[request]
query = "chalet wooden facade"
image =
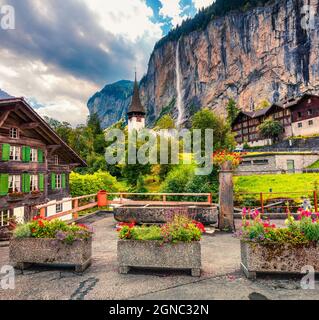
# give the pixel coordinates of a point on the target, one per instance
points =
(35, 163)
(299, 117)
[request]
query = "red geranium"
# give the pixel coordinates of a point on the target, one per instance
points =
(200, 226)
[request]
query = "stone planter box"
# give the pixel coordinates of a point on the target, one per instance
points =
(284, 259)
(27, 251)
(152, 254)
(158, 214)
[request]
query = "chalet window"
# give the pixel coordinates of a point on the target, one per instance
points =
(299, 114)
(310, 122)
(14, 183)
(300, 125)
(34, 182)
(56, 159)
(4, 217)
(260, 162)
(58, 181)
(34, 155)
(14, 133)
(15, 153)
(310, 112)
(59, 208)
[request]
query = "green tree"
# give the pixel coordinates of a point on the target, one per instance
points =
(206, 119)
(271, 129)
(232, 111)
(166, 122)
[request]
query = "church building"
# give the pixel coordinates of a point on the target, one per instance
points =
(136, 113)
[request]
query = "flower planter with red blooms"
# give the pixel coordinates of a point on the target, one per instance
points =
(51, 242)
(221, 157)
(265, 248)
(175, 245)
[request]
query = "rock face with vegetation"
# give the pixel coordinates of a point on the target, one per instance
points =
(247, 50)
(111, 104)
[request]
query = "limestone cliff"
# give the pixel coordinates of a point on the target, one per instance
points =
(264, 53)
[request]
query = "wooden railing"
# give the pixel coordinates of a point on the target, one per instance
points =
(123, 198)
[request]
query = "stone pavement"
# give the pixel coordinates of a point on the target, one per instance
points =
(221, 278)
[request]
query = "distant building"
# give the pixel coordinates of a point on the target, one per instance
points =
(277, 162)
(136, 113)
(299, 117)
(35, 163)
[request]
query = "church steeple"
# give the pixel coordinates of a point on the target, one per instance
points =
(136, 112)
(136, 106)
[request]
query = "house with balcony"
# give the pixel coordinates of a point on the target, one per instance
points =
(298, 116)
(35, 163)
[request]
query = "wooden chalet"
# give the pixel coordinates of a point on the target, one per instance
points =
(35, 163)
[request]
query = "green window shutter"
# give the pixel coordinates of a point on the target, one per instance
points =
(53, 181)
(6, 152)
(63, 180)
(26, 183)
(41, 182)
(4, 184)
(40, 156)
(26, 153)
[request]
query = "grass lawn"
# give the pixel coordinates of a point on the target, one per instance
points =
(279, 183)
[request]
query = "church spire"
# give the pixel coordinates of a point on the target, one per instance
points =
(136, 106)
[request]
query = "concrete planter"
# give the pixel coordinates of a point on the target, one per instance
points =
(27, 251)
(152, 254)
(152, 214)
(280, 258)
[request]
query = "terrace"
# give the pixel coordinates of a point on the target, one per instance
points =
(221, 277)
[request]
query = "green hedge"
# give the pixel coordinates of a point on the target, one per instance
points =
(85, 184)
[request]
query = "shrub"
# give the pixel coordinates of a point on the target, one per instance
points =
(55, 229)
(81, 185)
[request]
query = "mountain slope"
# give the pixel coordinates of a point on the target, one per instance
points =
(111, 104)
(4, 95)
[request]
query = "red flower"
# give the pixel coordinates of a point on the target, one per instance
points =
(41, 224)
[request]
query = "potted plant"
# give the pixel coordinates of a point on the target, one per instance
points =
(51, 242)
(175, 245)
(35, 193)
(265, 248)
(16, 196)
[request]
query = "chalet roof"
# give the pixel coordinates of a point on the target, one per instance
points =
(286, 103)
(136, 105)
(24, 106)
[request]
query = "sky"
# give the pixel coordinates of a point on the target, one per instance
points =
(63, 51)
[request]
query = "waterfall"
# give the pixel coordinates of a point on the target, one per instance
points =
(179, 86)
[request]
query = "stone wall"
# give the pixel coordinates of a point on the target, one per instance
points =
(277, 163)
(206, 215)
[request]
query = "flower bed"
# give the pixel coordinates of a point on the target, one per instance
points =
(265, 248)
(175, 245)
(51, 242)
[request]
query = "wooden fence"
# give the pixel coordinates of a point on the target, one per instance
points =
(124, 198)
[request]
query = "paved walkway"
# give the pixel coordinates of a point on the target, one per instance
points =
(221, 278)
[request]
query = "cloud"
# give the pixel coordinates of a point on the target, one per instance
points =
(64, 51)
(199, 4)
(172, 9)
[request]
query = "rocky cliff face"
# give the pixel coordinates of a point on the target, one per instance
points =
(111, 104)
(262, 54)
(4, 95)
